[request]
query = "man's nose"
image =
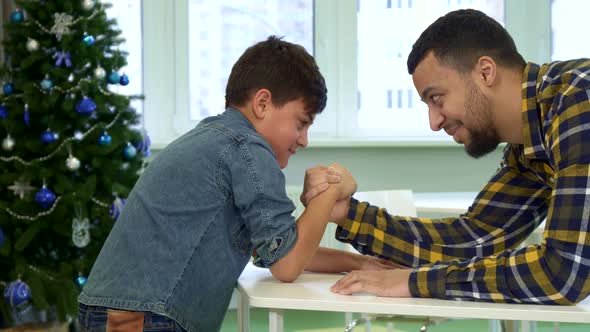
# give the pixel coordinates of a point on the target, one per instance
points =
(436, 119)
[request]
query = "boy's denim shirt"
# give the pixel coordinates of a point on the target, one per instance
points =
(190, 224)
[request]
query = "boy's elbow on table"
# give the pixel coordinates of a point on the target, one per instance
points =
(284, 272)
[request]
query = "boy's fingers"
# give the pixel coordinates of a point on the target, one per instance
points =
(313, 192)
(317, 169)
(334, 178)
(309, 195)
(315, 176)
(332, 170)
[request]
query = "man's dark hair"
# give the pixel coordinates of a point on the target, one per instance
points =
(461, 37)
(285, 69)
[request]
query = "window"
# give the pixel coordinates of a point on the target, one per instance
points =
(568, 23)
(224, 31)
(387, 101)
(361, 47)
(128, 16)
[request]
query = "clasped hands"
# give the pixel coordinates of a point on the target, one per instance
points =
(377, 276)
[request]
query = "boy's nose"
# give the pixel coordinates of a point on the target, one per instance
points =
(302, 141)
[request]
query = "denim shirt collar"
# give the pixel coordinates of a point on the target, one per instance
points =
(236, 115)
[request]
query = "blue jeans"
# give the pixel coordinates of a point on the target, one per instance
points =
(94, 319)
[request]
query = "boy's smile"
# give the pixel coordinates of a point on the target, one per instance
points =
(285, 129)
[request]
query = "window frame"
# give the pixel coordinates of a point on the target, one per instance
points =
(166, 63)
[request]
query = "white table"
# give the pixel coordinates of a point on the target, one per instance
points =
(444, 202)
(311, 291)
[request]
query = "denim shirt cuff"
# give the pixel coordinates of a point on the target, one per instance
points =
(271, 251)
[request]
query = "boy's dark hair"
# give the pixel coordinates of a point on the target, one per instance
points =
(461, 37)
(285, 69)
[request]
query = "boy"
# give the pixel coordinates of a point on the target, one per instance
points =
(213, 196)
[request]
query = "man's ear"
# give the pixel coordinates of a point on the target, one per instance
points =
(486, 70)
(261, 102)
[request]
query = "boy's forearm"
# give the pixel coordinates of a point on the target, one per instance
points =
(328, 260)
(310, 229)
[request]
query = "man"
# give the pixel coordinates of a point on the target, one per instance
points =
(479, 89)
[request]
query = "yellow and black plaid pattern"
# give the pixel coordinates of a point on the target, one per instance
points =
(473, 257)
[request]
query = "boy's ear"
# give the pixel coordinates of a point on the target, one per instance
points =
(261, 102)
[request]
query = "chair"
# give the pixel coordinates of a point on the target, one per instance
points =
(398, 202)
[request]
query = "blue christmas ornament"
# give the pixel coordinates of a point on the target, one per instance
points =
(63, 58)
(46, 84)
(17, 16)
(129, 152)
(113, 78)
(116, 207)
(88, 40)
(16, 293)
(3, 112)
(45, 197)
(143, 146)
(1, 238)
(27, 116)
(8, 89)
(81, 280)
(105, 139)
(48, 137)
(85, 106)
(124, 79)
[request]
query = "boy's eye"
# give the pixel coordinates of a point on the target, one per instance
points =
(302, 123)
(435, 98)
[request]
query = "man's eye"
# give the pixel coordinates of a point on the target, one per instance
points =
(435, 98)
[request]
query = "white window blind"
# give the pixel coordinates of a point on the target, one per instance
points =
(387, 103)
(128, 16)
(220, 31)
(568, 23)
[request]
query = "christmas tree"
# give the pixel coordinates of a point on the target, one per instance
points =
(71, 151)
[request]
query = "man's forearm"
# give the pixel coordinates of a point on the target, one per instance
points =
(328, 260)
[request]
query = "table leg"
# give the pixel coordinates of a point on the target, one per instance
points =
(390, 327)
(348, 318)
(243, 313)
(494, 325)
(275, 320)
(367, 318)
(528, 326)
(510, 325)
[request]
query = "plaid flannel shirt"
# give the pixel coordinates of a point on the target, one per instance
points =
(473, 257)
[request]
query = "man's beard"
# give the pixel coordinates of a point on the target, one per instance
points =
(484, 138)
